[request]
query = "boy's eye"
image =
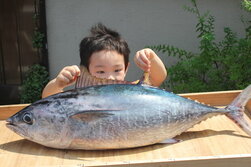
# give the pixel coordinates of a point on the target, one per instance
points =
(100, 72)
(118, 70)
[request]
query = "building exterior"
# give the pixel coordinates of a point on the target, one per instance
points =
(141, 22)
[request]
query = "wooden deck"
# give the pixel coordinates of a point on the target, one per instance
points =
(214, 142)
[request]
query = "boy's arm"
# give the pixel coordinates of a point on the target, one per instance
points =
(51, 88)
(66, 77)
(148, 61)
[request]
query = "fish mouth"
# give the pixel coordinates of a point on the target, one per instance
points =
(11, 126)
(15, 128)
(8, 124)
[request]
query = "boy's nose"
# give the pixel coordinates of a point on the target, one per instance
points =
(111, 77)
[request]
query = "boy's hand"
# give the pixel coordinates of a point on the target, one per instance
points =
(67, 76)
(143, 59)
(148, 61)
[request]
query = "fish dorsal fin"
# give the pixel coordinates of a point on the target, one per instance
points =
(91, 115)
(86, 79)
(145, 79)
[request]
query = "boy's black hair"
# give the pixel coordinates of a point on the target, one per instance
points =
(102, 38)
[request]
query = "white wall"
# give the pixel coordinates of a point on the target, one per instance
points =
(140, 22)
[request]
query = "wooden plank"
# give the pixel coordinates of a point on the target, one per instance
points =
(219, 98)
(7, 110)
(210, 161)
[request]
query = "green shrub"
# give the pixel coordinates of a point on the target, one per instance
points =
(247, 5)
(223, 65)
(31, 89)
(37, 39)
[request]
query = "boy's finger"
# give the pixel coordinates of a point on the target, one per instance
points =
(68, 75)
(66, 80)
(77, 70)
(73, 71)
(140, 63)
(143, 65)
(149, 53)
(62, 80)
(144, 58)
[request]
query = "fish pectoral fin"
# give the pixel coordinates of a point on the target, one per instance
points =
(91, 115)
(170, 141)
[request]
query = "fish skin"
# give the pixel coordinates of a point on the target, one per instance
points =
(109, 117)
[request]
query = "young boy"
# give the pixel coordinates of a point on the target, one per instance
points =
(106, 55)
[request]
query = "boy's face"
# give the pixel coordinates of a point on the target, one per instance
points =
(107, 64)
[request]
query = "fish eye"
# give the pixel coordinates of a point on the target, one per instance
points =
(27, 118)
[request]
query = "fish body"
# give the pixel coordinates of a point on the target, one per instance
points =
(111, 117)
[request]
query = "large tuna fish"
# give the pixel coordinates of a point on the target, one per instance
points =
(116, 116)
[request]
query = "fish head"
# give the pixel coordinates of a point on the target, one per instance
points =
(40, 122)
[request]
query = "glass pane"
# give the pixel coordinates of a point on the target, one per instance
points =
(28, 54)
(10, 43)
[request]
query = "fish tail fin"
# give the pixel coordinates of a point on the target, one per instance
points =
(237, 107)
